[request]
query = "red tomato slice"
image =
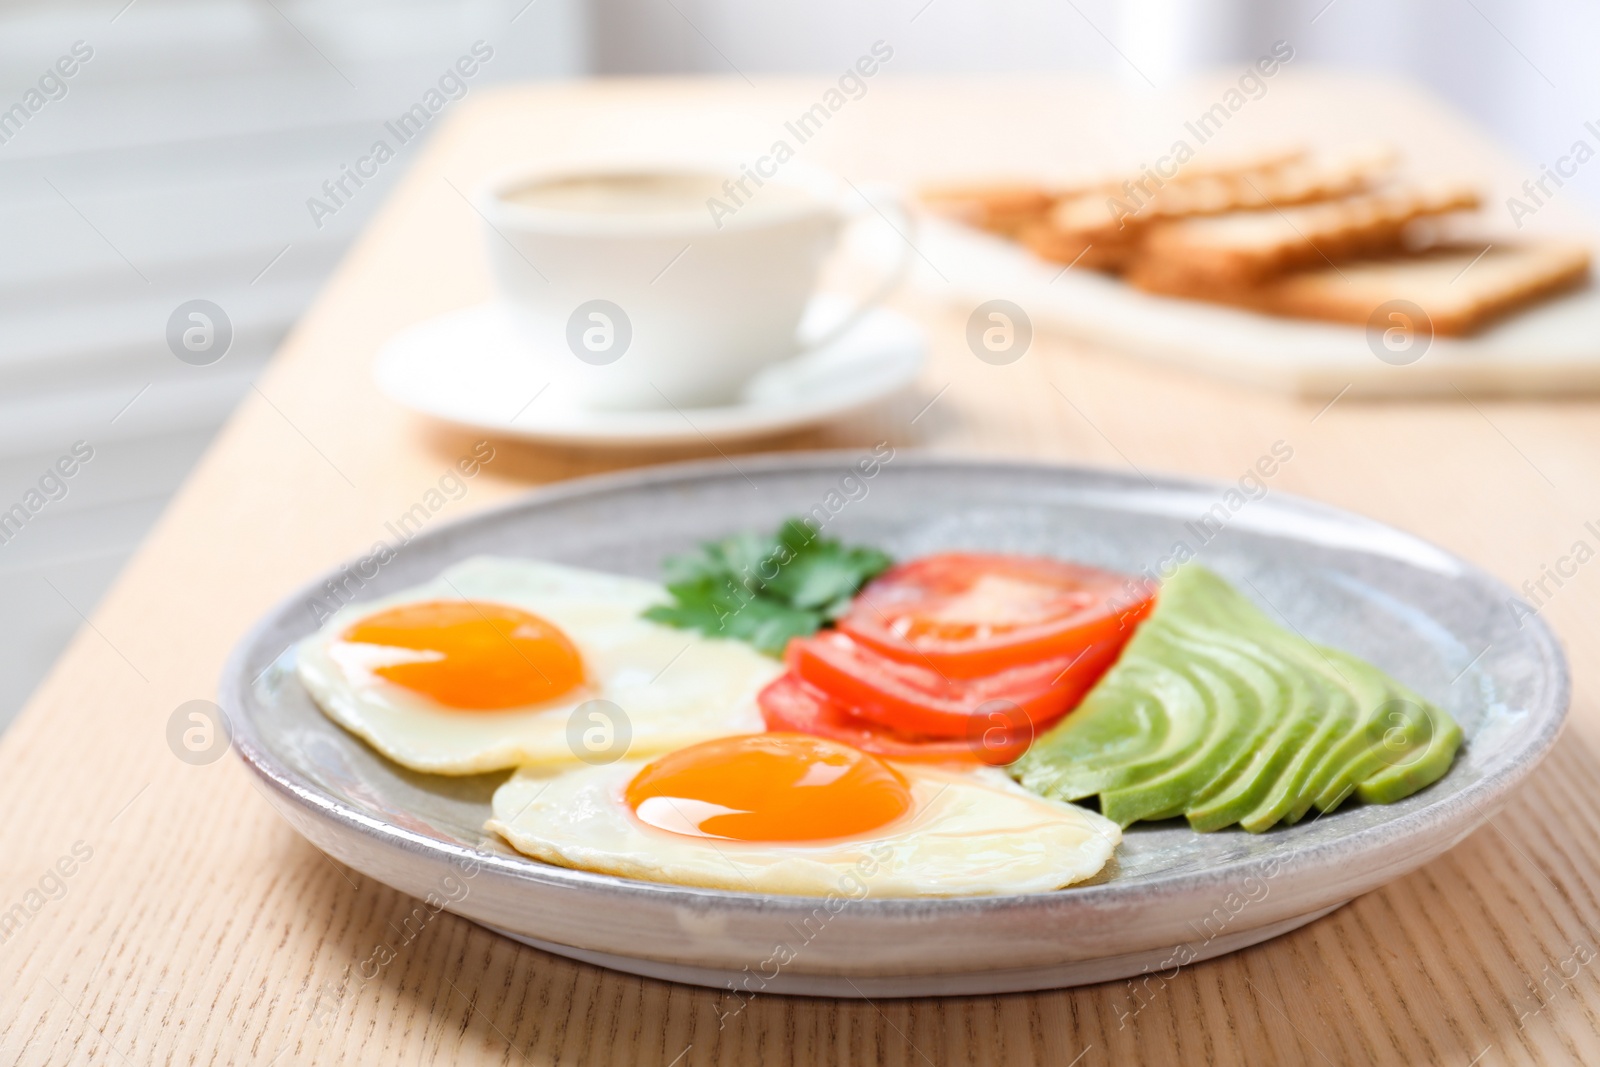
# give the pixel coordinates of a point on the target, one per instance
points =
(970, 614)
(789, 704)
(914, 699)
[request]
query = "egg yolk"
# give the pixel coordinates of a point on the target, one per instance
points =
(769, 787)
(484, 656)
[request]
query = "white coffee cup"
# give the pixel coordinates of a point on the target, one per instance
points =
(653, 285)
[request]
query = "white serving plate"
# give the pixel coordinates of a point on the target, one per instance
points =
(1550, 349)
(1438, 623)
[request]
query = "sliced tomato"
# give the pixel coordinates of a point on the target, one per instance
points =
(915, 699)
(971, 614)
(790, 704)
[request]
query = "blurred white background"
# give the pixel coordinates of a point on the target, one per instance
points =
(178, 162)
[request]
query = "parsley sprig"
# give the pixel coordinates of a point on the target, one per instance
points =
(763, 590)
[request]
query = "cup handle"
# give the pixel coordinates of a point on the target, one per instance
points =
(899, 218)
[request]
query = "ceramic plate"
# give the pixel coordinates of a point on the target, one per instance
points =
(1550, 348)
(1438, 623)
(472, 369)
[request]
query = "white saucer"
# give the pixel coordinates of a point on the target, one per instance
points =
(472, 369)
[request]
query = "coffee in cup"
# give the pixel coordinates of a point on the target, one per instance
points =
(672, 285)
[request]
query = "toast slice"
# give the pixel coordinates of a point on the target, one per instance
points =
(1461, 289)
(1099, 230)
(1244, 248)
(1289, 178)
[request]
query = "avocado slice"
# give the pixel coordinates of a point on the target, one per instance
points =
(1367, 689)
(1396, 737)
(1335, 712)
(1148, 715)
(1242, 696)
(1423, 766)
(1217, 713)
(1230, 713)
(1147, 719)
(1236, 798)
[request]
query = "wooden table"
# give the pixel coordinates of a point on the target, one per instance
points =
(196, 927)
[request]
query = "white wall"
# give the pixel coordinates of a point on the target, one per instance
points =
(177, 166)
(1491, 58)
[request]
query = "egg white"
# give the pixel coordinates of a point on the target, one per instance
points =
(967, 834)
(676, 687)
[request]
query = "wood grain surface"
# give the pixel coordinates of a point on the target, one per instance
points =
(195, 927)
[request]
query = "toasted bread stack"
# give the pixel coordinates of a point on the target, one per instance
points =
(1331, 236)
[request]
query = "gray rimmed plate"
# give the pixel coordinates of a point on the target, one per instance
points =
(1170, 896)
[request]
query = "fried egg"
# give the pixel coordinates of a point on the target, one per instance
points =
(797, 814)
(502, 662)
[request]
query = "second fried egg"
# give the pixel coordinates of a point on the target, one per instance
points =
(796, 814)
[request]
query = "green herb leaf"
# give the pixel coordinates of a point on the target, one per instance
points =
(765, 590)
